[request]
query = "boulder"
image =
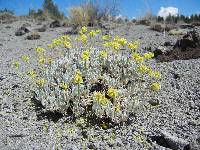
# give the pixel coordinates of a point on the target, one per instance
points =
(186, 26)
(157, 27)
(55, 24)
(41, 29)
(21, 31)
(189, 40)
(33, 36)
(169, 141)
(143, 22)
(159, 51)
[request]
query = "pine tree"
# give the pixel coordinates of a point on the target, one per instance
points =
(52, 9)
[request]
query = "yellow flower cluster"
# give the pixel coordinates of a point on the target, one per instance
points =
(92, 33)
(121, 41)
(137, 57)
(41, 60)
(117, 108)
(134, 45)
(100, 98)
(16, 64)
(103, 54)
(25, 58)
(142, 68)
(82, 38)
(155, 74)
(83, 30)
(112, 93)
(40, 82)
(149, 55)
(63, 86)
(32, 73)
(105, 37)
(85, 55)
(63, 41)
(155, 86)
(98, 31)
(40, 50)
(115, 45)
(78, 77)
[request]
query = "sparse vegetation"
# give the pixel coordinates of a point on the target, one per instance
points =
(91, 13)
(104, 89)
(48, 11)
(6, 16)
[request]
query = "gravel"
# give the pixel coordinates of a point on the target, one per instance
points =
(177, 113)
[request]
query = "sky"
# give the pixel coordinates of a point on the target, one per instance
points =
(128, 8)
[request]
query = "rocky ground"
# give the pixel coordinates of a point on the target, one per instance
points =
(171, 122)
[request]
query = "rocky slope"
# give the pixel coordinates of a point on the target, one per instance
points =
(172, 123)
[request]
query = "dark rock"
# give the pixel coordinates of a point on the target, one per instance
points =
(186, 26)
(190, 40)
(168, 43)
(161, 27)
(176, 76)
(187, 47)
(159, 51)
(143, 22)
(1, 44)
(157, 27)
(33, 36)
(15, 86)
(1, 78)
(167, 140)
(21, 31)
(154, 102)
(55, 24)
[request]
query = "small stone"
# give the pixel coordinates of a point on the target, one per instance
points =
(33, 36)
(55, 24)
(154, 102)
(173, 141)
(21, 31)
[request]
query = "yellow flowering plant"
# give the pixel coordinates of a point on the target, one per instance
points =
(79, 82)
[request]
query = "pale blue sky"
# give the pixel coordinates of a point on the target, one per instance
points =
(128, 8)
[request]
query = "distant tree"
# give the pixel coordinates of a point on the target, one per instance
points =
(52, 9)
(187, 20)
(196, 17)
(7, 11)
(160, 19)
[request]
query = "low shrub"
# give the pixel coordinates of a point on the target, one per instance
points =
(108, 84)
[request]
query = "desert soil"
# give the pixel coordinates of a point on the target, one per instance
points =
(173, 124)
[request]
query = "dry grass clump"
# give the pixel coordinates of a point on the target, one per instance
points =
(85, 15)
(160, 27)
(6, 17)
